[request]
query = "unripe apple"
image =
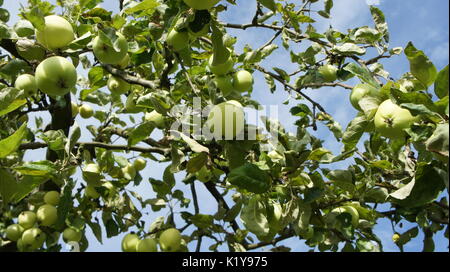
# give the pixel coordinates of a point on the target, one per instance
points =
(177, 40)
(156, 118)
(139, 164)
(391, 120)
(57, 33)
(118, 86)
(56, 76)
(129, 172)
(147, 245)
(33, 239)
(130, 242)
(395, 237)
(242, 81)
(72, 235)
(360, 91)
(91, 192)
(107, 54)
(86, 111)
(92, 173)
(225, 84)
(27, 83)
(24, 28)
(47, 215)
(125, 62)
(226, 120)
(328, 72)
(27, 219)
(201, 4)
(170, 240)
(75, 109)
(221, 69)
(350, 210)
(52, 198)
(14, 232)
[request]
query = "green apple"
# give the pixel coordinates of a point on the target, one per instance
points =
(75, 109)
(225, 84)
(125, 62)
(226, 120)
(86, 111)
(139, 164)
(177, 40)
(92, 174)
(47, 215)
(57, 33)
(52, 198)
(33, 239)
(395, 237)
(221, 69)
(242, 81)
(129, 172)
(350, 210)
(24, 28)
(201, 4)
(27, 219)
(106, 54)
(391, 120)
(118, 86)
(170, 240)
(147, 245)
(130, 242)
(14, 232)
(72, 235)
(360, 91)
(156, 118)
(56, 76)
(27, 83)
(29, 50)
(91, 192)
(328, 72)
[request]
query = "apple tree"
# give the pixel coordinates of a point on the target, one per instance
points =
(126, 75)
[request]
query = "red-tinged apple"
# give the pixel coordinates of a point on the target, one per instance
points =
(56, 76)
(57, 33)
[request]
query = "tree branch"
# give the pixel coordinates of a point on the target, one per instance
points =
(162, 151)
(129, 78)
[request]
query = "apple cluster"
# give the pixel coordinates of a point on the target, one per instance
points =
(169, 241)
(28, 231)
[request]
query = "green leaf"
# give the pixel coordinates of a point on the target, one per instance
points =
(8, 185)
(342, 179)
(196, 163)
(270, 4)
(438, 142)
(424, 188)
(254, 217)
(193, 144)
(251, 178)
(202, 221)
(362, 73)
(15, 104)
(421, 67)
(39, 169)
(380, 22)
(12, 143)
(146, 7)
(140, 133)
(441, 84)
(354, 132)
(65, 204)
(348, 49)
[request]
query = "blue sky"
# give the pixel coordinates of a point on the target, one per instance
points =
(425, 23)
